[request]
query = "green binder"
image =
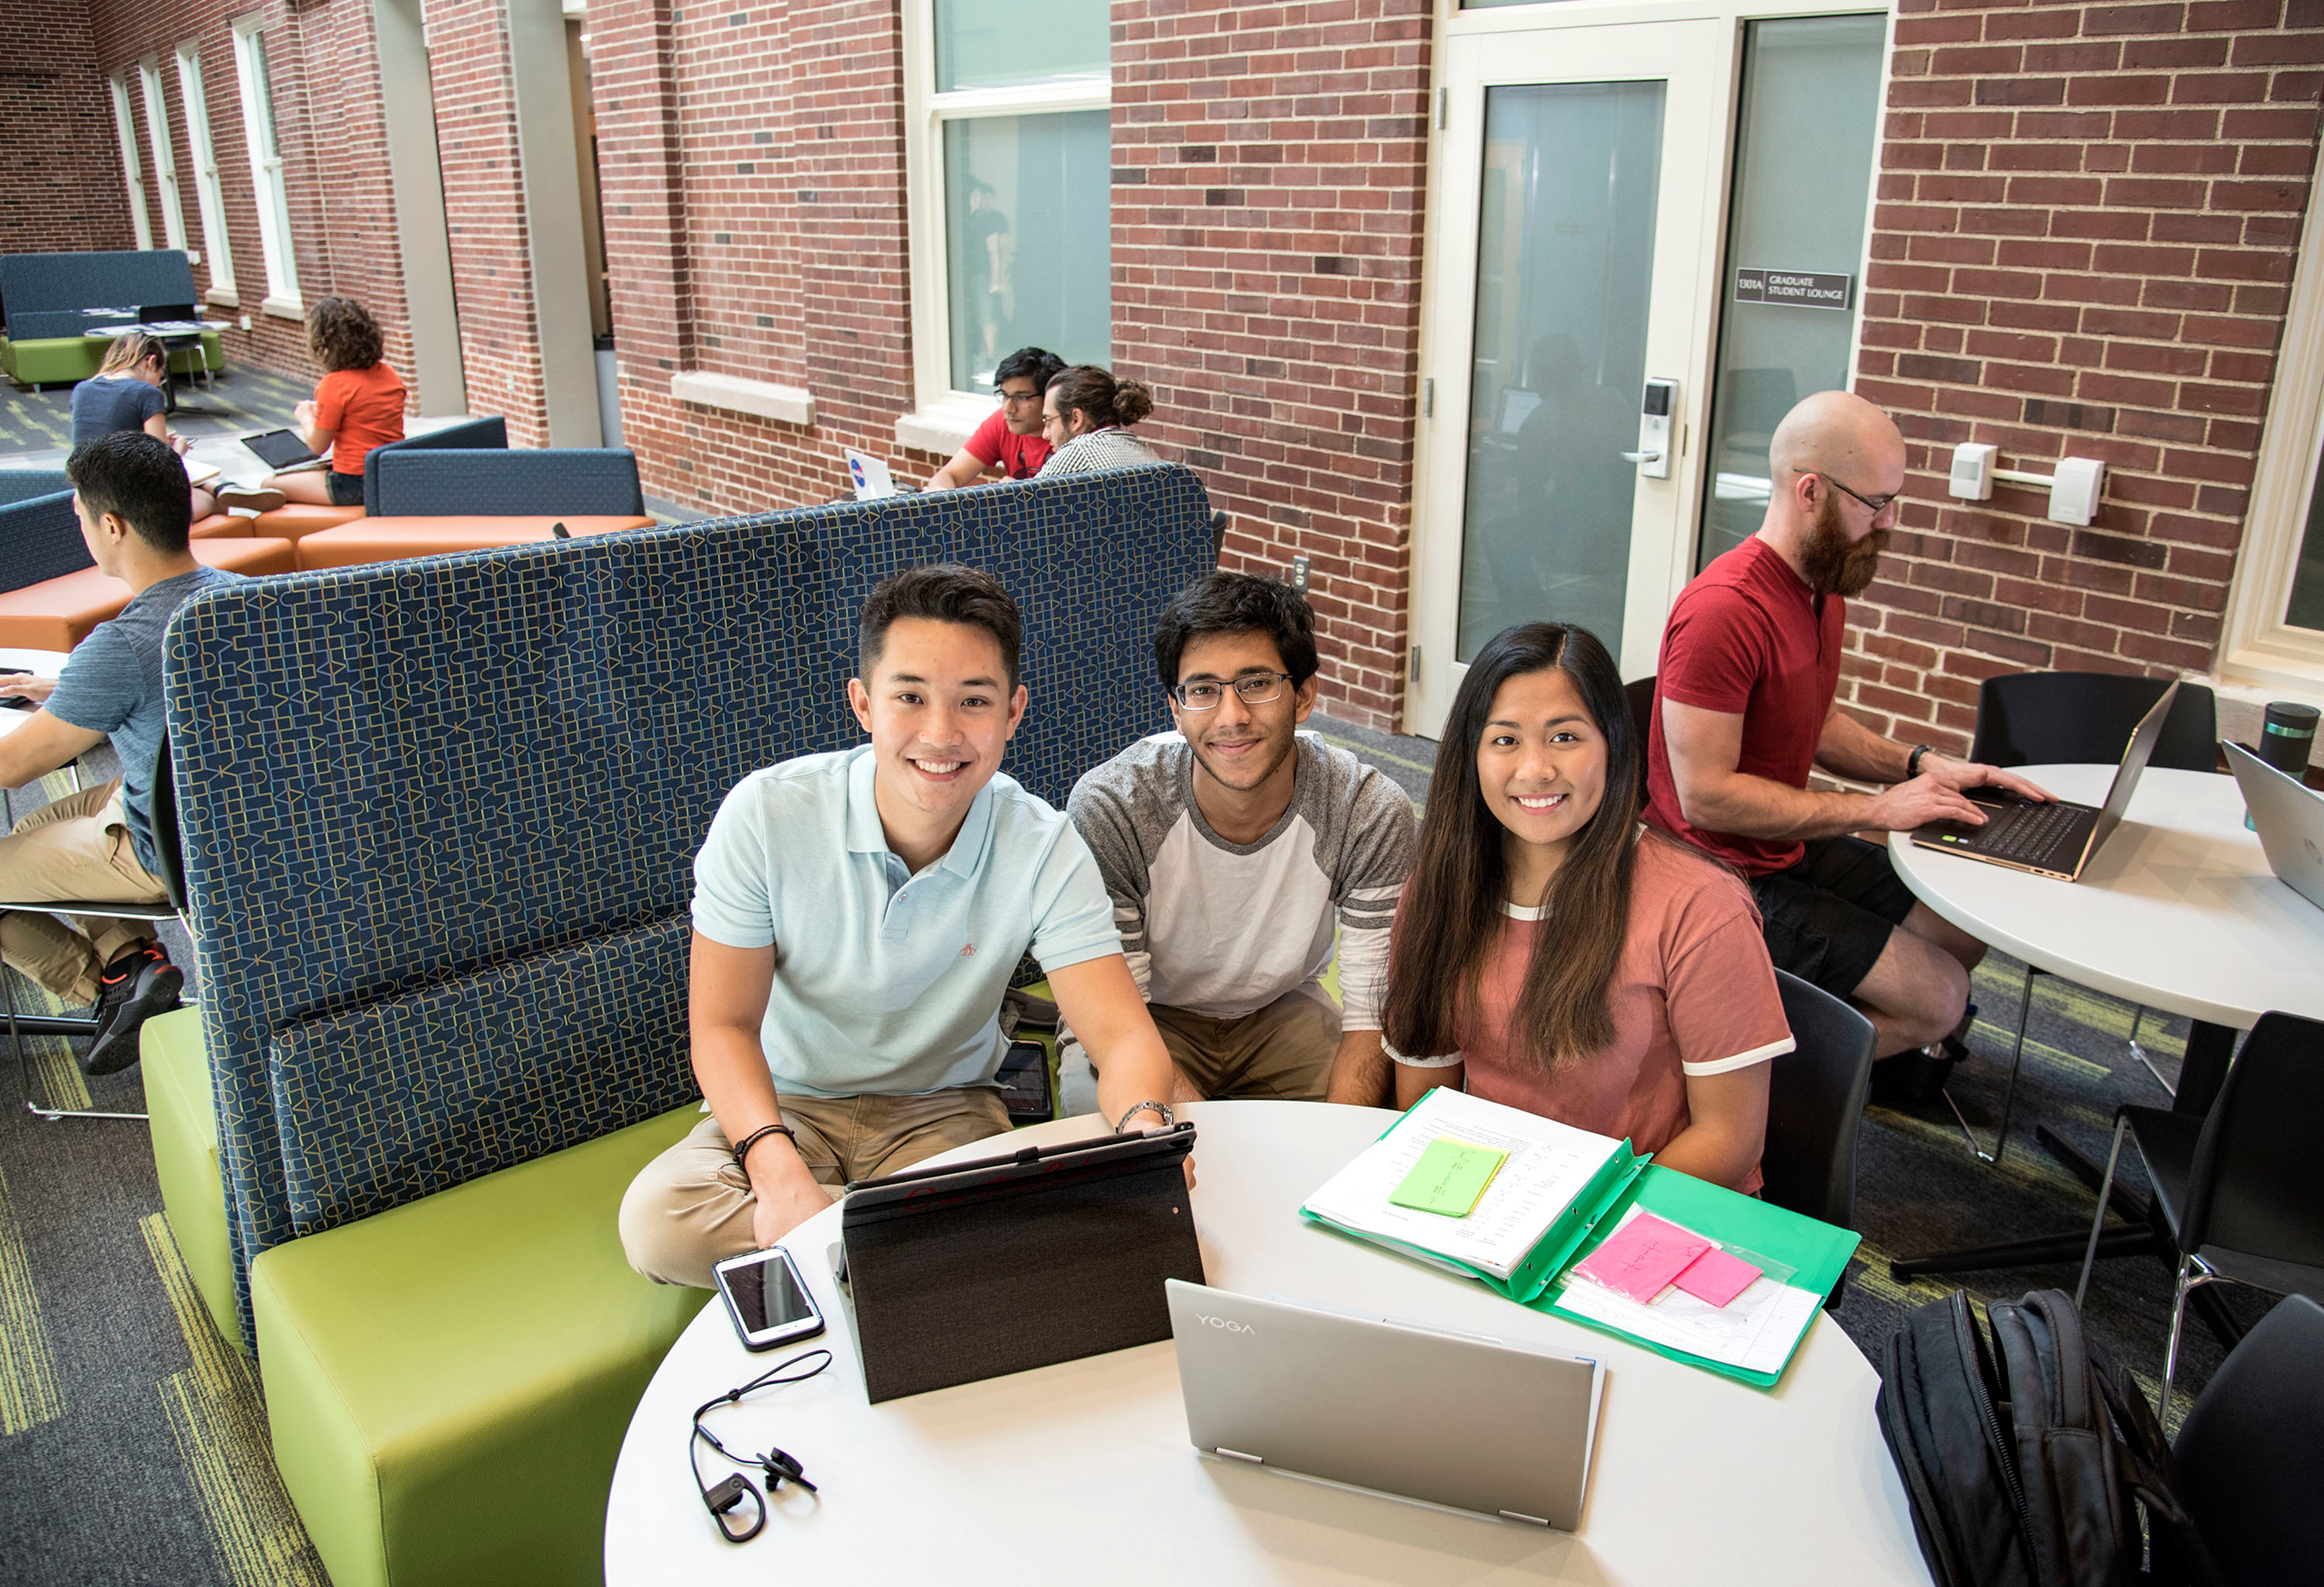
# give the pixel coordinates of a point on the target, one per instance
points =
(1816, 1253)
(1559, 1245)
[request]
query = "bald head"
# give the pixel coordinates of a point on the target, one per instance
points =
(1837, 431)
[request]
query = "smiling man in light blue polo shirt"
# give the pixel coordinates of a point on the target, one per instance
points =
(857, 916)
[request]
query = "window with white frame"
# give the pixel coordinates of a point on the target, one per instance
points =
(165, 157)
(1011, 157)
(208, 193)
(132, 172)
(2276, 614)
(267, 169)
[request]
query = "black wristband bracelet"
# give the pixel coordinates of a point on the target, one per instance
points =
(1913, 761)
(757, 1136)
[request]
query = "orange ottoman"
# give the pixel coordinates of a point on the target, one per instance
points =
(297, 520)
(57, 614)
(220, 526)
(392, 540)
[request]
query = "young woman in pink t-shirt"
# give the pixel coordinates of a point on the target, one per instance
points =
(1552, 954)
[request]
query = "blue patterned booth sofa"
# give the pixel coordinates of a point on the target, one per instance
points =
(438, 819)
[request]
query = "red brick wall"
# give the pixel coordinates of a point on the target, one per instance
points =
(63, 191)
(752, 181)
(1266, 242)
(2082, 246)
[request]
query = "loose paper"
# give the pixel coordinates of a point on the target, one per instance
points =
(1757, 1331)
(1716, 1276)
(1449, 1178)
(1641, 1258)
(1548, 1164)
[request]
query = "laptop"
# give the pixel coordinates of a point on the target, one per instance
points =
(1459, 1420)
(870, 476)
(1045, 1254)
(282, 449)
(2053, 837)
(2289, 817)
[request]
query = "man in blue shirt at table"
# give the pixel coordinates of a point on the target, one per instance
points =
(857, 916)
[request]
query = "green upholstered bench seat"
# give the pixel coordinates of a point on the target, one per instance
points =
(183, 1107)
(449, 1382)
(61, 360)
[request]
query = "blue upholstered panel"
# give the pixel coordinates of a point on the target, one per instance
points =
(580, 480)
(475, 434)
(22, 484)
(395, 775)
(31, 283)
(400, 1098)
(40, 538)
(37, 325)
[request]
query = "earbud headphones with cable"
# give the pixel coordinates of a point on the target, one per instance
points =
(780, 1468)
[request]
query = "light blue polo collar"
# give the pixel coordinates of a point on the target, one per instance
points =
(866, 835)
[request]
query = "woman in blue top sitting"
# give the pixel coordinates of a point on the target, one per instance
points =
(128, 393)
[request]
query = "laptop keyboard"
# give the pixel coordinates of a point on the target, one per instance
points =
(2034, 835)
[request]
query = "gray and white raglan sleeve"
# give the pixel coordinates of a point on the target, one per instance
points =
(1367, 883)
(1103, 807)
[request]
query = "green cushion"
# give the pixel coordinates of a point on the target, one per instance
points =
(54, 360)
(183, 1109)
(447, 1383)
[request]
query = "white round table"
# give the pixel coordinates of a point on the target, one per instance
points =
(2177, 911)
(1082, 1473)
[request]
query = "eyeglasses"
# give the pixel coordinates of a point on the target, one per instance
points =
(1878, 504)
(1253, 688)
(1014, 398)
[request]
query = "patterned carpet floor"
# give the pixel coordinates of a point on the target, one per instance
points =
(36, 427)
(133, 1442)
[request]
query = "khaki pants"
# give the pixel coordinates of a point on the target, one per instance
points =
(690, 1208)
(1282, 1052)
(75, 847)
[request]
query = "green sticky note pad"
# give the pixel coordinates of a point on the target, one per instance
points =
(1449, 1178)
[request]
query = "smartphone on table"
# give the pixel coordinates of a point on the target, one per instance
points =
(766, 1300)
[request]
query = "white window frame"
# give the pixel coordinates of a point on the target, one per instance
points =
(2257, 646)
(266, 169)
(133, 175)
(209, 193)
(165, 155)
(943, 418)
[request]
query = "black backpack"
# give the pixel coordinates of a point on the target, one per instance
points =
(2030, 1461)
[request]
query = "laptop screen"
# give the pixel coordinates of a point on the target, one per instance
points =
(278, 449)
(2133, 761)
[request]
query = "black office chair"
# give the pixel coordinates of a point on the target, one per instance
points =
(178, 341)
(2249, 1462)
(1218, 536)
(168, 854)
(1815, 1101)
(2239, 1193)
(1641, 698)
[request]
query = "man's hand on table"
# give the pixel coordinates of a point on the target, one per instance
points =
(1957, 775)
(787, 1194)
(1911, 804)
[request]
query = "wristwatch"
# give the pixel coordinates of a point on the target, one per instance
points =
(1913, 761)
(1168, 1118)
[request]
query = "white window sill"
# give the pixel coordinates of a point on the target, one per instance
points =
(945, 425)
(226, 296)
(2242, 703)
(765, 400)
(283, 308)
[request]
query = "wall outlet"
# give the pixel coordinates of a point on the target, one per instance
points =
(2074, 490)
(245, 322)
(1299, 574)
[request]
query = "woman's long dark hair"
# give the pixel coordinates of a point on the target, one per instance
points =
(1452, 907)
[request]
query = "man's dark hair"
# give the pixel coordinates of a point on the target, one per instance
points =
(1038, 365)
(137, 479)
(1237, 603)
(945, 592)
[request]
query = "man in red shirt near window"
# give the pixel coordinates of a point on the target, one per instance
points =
(1744, 710)
(1011, 439)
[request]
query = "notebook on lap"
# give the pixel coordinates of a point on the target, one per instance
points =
(1461, 1420)
(2053, 837)
(2289, 817)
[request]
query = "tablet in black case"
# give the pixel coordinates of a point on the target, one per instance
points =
(1008, 1263)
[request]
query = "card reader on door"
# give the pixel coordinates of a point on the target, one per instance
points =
(1656, 412)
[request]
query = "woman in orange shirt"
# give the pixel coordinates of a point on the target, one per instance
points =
(358, 405)
(1552, 954)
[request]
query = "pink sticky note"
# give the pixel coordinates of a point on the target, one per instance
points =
(1716, 1277)
(1641, 1256)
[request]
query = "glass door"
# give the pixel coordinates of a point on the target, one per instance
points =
(1567, 260)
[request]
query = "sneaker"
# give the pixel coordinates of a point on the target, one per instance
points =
(250, 501)
(139, 983)
(1912, 1078)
